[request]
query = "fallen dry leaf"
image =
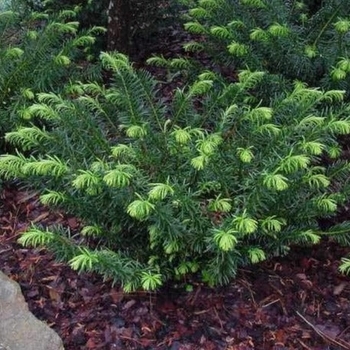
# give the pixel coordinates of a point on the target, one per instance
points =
(337, 290)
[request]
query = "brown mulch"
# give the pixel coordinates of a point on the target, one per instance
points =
(296, 302)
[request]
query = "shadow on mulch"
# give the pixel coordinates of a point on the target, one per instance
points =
(297, 302)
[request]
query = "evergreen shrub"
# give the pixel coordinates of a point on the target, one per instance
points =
(39, 53)
(296, 39)
(147, 18)
(212, 181)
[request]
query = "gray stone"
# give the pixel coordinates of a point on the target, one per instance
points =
(19, 329)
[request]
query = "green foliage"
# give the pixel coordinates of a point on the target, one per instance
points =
(214, 180)
(291, 38)
(39, 53)
(146, 18)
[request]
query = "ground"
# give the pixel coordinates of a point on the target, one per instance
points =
(297, 302)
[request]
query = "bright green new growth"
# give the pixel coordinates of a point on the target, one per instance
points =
(169, 189)
(290, 38)
(40, 52)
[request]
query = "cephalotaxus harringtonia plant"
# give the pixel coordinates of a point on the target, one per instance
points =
(38, 53)
(292, 38)
(202, 185)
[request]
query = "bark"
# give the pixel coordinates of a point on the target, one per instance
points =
(118, 31)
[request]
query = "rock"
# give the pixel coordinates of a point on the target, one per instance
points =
(19, 329)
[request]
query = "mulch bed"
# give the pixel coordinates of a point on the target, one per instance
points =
(297, 302)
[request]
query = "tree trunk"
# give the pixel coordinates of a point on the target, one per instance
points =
(118, 30)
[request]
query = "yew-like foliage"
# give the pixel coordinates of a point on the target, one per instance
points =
(214, 180)
(39, 52)
(298, 39)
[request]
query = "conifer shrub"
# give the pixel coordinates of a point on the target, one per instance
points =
(212, 181)
(296, 39)
(39, 52)
(147, 18)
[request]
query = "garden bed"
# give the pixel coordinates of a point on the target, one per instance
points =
(296, 302)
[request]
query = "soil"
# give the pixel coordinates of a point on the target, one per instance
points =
(300, 301)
